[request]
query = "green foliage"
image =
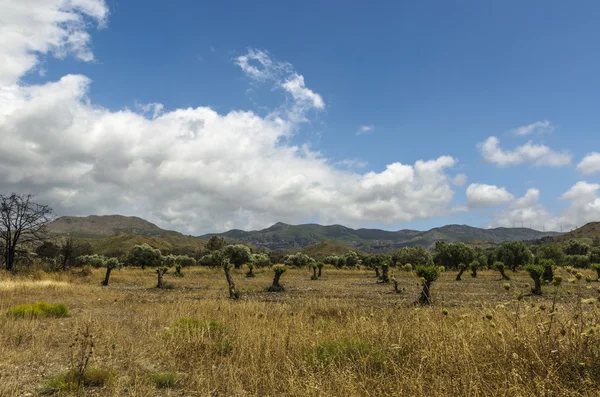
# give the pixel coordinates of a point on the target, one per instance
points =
(68, 381)
(238, 254)
(215, 243)
(596, 267)
(351, 259)
(535, 272)
(428, 273)
(548, 273)
(578, 261)
(144, 256)
(474, 266)
(165, 380)
(344, 353)
(576, 247)
(279, 269)
(451, 255)
(595, 255)
(215, 259)
(408, 267)
(514, 254)
(96, 261)
(260, 260)
(376, 260)
(551, 251)
(298, 259)
(38, 309)
(416, 255)
(336, 261)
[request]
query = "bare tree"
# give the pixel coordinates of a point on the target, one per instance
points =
(22, 223)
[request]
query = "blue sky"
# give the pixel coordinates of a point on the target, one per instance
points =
(428, 78)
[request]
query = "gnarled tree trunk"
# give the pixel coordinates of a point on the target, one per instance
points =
(107, 276)
(232, 292)
(460, 272)
(425, 298)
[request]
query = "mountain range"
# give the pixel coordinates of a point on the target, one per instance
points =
(282, 236)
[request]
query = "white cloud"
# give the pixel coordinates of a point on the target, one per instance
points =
(190, 169)
(260, 67)
(459, 180)
(33, 28)
(590, 163)
(537, 127)
(584, 207)
(539, 155)
(482, 195)
(364, 129)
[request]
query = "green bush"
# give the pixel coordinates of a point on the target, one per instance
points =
(165, 380)
(68, 381)
(38, 309)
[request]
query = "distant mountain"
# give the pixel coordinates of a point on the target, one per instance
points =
(282, 236)
(95, 226)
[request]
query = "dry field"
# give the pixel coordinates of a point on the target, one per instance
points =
(341, 335)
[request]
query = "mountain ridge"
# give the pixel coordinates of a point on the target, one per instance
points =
(282, 236)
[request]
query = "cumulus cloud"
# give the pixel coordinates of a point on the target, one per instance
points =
(481, 195)
(34, 28)
(365, 129)
(459, 180)
(539, 155)
(537, 127)
(583, 207)
(191, 169)
(590, 163)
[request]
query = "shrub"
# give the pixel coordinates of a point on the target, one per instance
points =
(578, 261)
(69, 381)
(165, 380)
(38, 309)
(596, 267)
(547, 264)
(408, 267)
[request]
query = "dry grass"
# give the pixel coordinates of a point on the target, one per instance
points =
(342, 335)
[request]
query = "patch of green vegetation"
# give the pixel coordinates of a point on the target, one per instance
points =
(191, 325)
(38, 309)
(71, 381)
(165, 380)
(345, 353)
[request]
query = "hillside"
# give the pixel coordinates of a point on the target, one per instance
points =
(587, 233)
(95, 226)
(282, 236)
(321, 250)
(123, 243)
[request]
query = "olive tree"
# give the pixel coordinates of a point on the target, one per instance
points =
(514, 254)
(238, 254)
(501, 268)
(452, 255)
(298, 260)
(474, 266)
(144, 255)
(98, 261)
(182, 261)
(276, 286)
(535, 272)
(416, 255)
(428, 275)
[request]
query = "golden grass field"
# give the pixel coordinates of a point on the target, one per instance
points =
(341, 335)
